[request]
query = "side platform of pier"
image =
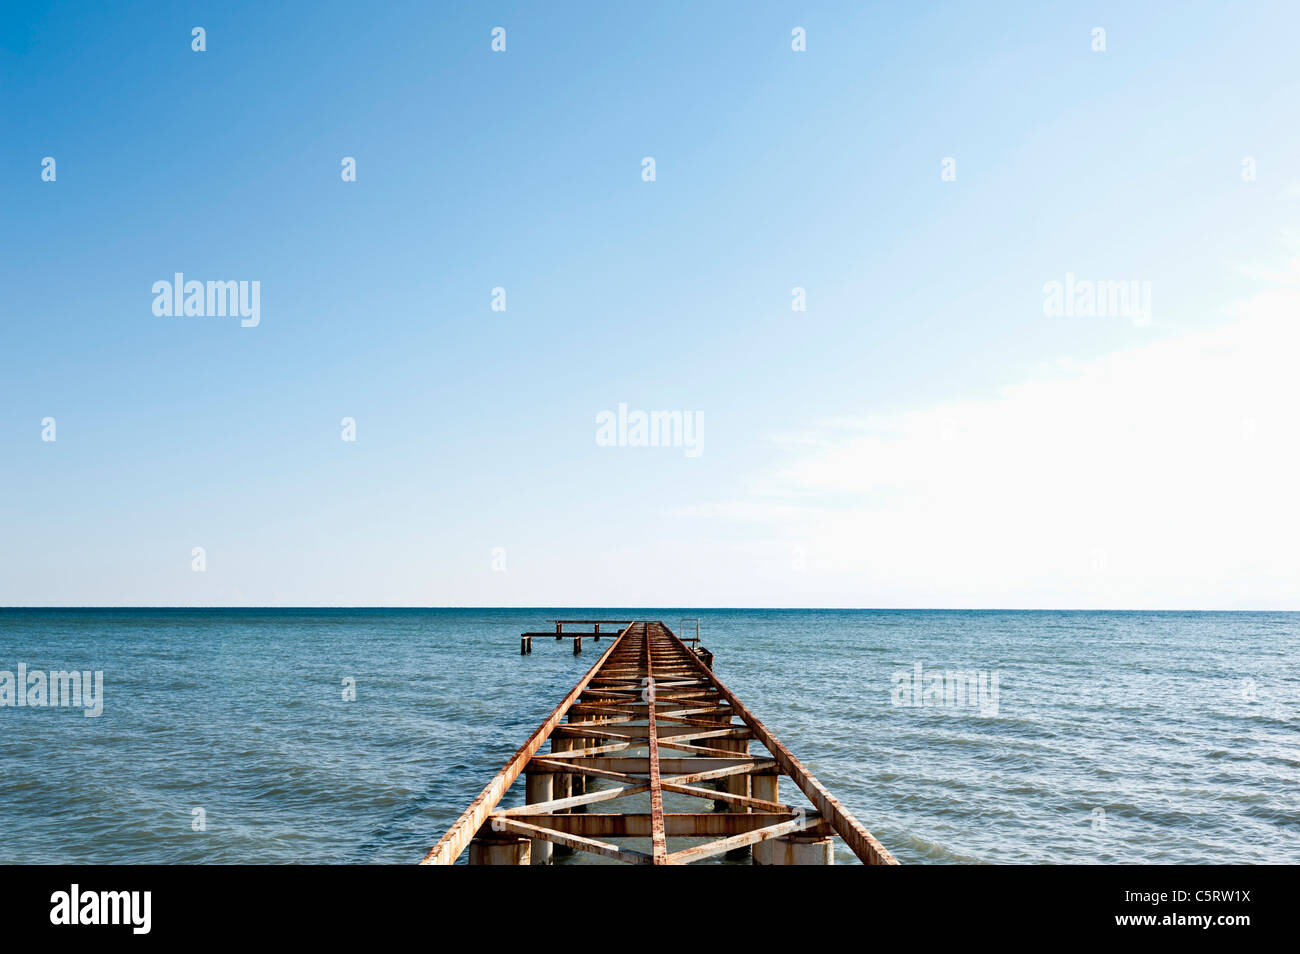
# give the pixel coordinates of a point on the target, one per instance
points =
(651, 719)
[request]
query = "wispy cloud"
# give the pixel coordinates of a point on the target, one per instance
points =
(1164, 475)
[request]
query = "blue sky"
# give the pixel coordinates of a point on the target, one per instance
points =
(522, 169)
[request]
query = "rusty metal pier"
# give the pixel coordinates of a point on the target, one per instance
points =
(649, 720)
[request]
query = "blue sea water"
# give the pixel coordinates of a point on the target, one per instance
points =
(1118, 737)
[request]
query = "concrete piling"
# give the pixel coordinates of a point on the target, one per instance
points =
(498, 849)
(737, 785)
(798, 849)
(562, 786)
(539, 787)
(766, 787)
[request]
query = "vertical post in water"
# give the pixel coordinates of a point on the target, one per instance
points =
(799, 849)
(498, 849)
(723, 720)
(578, 782)
(577, 645)
(562, 786)
(737, 785)
(540, 787)
(768, 788)
(559, 631)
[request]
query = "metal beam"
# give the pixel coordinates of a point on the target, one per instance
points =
(657, 836)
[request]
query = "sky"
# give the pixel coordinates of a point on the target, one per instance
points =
(927, 431)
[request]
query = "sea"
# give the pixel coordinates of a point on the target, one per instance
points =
(283, 736)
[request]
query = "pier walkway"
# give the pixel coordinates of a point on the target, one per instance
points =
(650, 722)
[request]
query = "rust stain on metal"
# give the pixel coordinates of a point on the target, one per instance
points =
(657, 837)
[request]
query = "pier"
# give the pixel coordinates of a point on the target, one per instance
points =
(648, 720)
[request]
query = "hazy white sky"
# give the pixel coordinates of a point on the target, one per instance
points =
(1160, 475)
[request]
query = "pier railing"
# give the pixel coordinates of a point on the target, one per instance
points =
(649, 693)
